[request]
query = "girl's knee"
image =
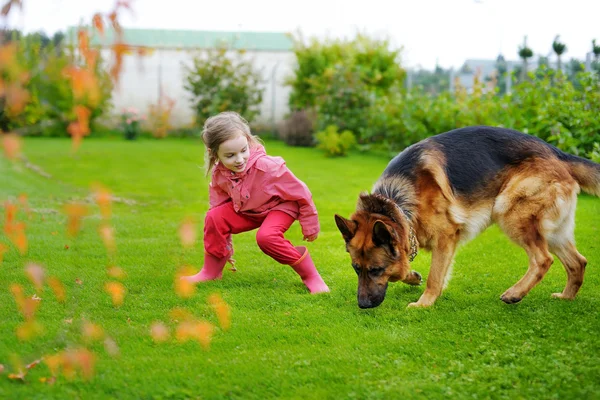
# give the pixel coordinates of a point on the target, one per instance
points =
(265, 238)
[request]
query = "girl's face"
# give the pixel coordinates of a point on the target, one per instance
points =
(234, 153)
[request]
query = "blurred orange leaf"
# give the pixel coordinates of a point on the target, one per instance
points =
(187, 233)
(107, 235)
(54, 362)
(222, 310)
(11, 144)
(23, 201)
(159, 332)
(3, 249)
(28, 330)
(80, 359)
(86, 361)
(75, 212)
(116, 272)
(91, 331)
(103, 198)
(183, 287)
(27, 306)
(180, 314)
(195, 330)
(35, 273)
(58, 288)
(10, 212)
(116, 291)
(98, 23)
(83, 40)
(16, 98)
(7, 7)
(19, 238)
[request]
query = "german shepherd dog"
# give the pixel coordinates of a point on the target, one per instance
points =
(447, 189)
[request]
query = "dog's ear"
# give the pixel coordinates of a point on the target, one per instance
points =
(346, 226)
(382, 236)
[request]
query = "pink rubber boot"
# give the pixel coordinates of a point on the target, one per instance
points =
(308, 272)
(212, 269)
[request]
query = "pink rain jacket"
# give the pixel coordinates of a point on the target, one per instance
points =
(266, 184)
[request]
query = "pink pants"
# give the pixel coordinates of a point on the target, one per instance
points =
(222, 221)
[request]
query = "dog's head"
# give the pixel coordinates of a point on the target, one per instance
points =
(377, 238)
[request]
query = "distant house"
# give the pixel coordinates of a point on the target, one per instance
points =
(160, 72)
(484, 69)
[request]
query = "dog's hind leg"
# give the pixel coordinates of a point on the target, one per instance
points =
(574, 264)
(540, 261)
(442, 255)
(536, 211)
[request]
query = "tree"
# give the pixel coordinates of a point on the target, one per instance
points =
(524, 53)
(559, 48)
(223, 81)
(595, 50)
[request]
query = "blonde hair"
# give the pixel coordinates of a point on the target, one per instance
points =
(220, 128)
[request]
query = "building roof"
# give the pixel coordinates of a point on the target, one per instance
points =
(189, 39)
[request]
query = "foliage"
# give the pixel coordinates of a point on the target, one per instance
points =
(344, 99)
(159, 117)
(335, 144)
(341, 78)
(563, 109)
(52, 102)
(221, 80)
(298, 128)
(131, 122)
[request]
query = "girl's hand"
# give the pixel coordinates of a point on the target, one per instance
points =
(311, 238)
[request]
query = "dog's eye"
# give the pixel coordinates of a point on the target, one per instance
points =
(376, 271)
(356, 268)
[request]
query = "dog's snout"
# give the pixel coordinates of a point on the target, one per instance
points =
(365, 303)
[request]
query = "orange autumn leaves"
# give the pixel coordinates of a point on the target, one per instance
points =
(14, 229)
(189, 328)
(82, 74)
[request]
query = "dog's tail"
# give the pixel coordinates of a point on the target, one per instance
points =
(585, 172)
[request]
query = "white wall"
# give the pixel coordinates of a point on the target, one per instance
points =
(141, 78)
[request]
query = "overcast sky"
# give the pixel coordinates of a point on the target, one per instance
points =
(429, 31)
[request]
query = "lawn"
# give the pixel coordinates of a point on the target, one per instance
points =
(283, 342)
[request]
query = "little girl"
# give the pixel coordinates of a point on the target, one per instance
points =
(250, 190)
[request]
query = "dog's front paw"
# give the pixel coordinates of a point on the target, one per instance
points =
(417, 279)
(510, 298)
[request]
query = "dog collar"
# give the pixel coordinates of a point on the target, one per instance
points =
(412, 238)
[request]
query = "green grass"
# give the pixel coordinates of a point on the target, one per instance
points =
(283, 342)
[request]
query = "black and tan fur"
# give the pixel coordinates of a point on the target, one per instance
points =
(448, 189)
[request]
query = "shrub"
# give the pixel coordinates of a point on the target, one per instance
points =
(333, 143)
(298, 128)
(341, 79)
(159, 117)
(130, 123)
(220, 81)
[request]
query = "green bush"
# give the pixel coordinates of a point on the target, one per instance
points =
(335, 144)
(298, 128)
(344, 101)
(341, 79)
(223, 81)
